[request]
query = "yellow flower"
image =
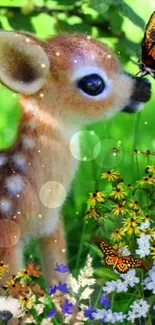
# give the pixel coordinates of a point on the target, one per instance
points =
(117, 234)
(10, 282)
(111, 175)
(118, 194)
(152, 252)
(119, 209)
(91, 213)
(119, 245)
(23, 274)
(147, 180)
(96, 197)
(131, 225)
(27, 302)
(3, 269)
(150, 169)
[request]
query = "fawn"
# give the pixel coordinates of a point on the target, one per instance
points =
(64, 83)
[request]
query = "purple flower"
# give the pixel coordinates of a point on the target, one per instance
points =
(51, 313)
(61, 268)
(62, 287)
(67, 307)
(105, 301)
(88, 312)
(52, 290)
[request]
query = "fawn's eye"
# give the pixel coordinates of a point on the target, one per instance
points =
(91, 84)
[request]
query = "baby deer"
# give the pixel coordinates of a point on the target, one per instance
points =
(65, 82)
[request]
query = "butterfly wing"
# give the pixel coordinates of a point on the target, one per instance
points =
(107, 249)
(127, 262)
(148, 44)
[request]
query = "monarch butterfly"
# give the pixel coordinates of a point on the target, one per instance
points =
(113, 258)
(147, 66)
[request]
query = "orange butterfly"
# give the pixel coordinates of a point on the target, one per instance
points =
(113, 258)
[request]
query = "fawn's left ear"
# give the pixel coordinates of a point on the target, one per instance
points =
(24, 66)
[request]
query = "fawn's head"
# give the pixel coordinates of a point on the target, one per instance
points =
(79, 76)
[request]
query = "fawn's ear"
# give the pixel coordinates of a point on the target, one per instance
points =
(24, 65)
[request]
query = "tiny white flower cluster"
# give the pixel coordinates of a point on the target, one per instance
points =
(144, 225)
(139, 308)
(130, 280)
(143, 245)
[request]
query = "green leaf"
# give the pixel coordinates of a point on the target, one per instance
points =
(106, 273)
(12, 3)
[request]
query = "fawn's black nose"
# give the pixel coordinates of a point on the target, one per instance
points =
(141, 94)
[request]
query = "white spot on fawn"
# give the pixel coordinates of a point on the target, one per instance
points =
(28, 143)
(3, 160)
(14, 184)
(5, 205)
(19, 160)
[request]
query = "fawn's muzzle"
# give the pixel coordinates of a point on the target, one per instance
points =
(141, 94)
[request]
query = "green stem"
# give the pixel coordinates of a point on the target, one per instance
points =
(80, 246)
(97, 300)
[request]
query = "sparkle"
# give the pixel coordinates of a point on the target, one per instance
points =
(18, 212)
(39, 215)
(18, 195)
(63, 250)
(43, 166)
(145, 122)
(75, 61)
(27, 40)
(84, 158)
(43, 65)
(57, 53)
(41, 95)
(39, 151)
(92, 132)
(109, 56)
(88, 37)
(55, 241)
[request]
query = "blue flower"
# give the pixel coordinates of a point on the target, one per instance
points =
(51, 313)
(52, 290)
(61, 268)
(88, 312)
(110, 317)
(67, 307)
(62, 287)
(130, 278)
(105, 301)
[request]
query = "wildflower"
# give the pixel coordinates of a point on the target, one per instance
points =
(10, 308)
(91, 213)
(120, 317)
(140, 308)
(117, 234)
(99, 314)
(118, 193)
(86, 293)
(96, 197)
(85, 277)
(150, 169)
(88, 312)
(73, 284)
(3, 269)
(123, 251)
(144, 225)
(109, 287)
(130, 278)
(152, 252)
(144, 245)
(51, 313)
(131, 316)
(105, 301)
(147, 153)
(52, 290)
(134, 205)
(67, 307)
(39, 308)
(23, 274)
(146, 180)
(135, 152)
(29, 320)
(119, 209)
(62, 287)
(46, 321)
(61, 268)
(27, 302)
(110, 175)
(109, 317)
(121, 286)
(149, 282)
(130, 225)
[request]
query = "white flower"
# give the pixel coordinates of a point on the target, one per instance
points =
(71, 299)
(39, 308)
(124, 251)
(121, 286)
(144, 225)
(73, 284)
(67, 319)
(80, 316)
(46, 321)
(29, 320)
(86, 293)
(144, 245)
(10, 308)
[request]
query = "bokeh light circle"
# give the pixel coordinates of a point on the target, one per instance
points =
(85, 145)
(110, 154)
(52, 194)
(10, 233)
